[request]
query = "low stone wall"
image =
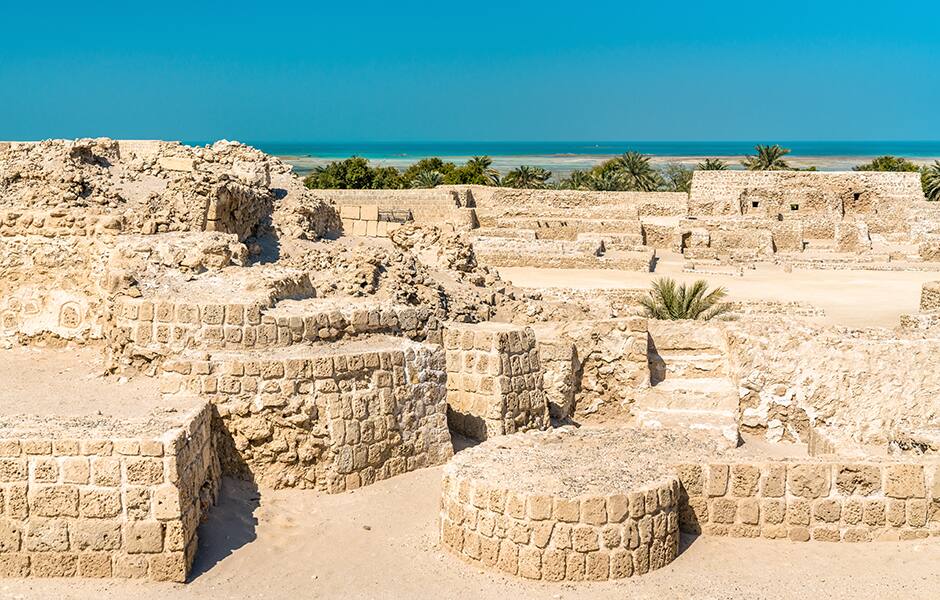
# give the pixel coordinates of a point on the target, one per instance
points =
(494, 380)
(558, 254)
(527, 506)
(490, 199)
(568, 227)
(828, 500)
(930, 296)
(105, 507)
(333, 418)
(364, 221)
(170, 325)
(588, 538)
(427, 206)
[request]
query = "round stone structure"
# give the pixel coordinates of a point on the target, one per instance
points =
(567, 504)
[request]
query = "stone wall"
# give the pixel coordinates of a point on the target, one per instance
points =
(830, 500)
(820, 199)
(105, 507)
(930, 296)
(364, 221)
(333, 418)
(141, 324)
(489, 199)
(558, 538)
(427, 206)
(558, 254)
(873, 384)
(609, 367)
(494, 380)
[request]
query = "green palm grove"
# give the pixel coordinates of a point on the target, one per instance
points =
(631, 171)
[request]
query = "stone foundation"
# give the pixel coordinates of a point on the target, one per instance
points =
(332, 418)
(850, 500)
(494, 380)
(117, 505)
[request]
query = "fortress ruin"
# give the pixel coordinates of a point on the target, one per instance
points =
(173, 315)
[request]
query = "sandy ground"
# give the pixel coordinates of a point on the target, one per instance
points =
(381, 542)
(850, 298)
(70, 382)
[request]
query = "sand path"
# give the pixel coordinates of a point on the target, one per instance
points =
(850, 298)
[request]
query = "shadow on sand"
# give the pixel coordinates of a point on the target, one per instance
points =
(231, 524)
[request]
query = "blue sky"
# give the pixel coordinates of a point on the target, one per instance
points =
(367, 71)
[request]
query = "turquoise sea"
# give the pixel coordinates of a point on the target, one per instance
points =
(563, 157)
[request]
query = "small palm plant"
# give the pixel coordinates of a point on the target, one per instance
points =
(712, 164)
(931, 181)
(427, 179)
(527, 177)
(671, 302)
(768, 158)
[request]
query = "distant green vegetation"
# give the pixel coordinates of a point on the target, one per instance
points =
(888, 163)
(768, 158)
(929, 174)
(527, 177)
(356, 173)
(631, 171)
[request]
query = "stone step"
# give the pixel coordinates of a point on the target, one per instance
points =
(707, 393)
(720, 424)
(690, 364)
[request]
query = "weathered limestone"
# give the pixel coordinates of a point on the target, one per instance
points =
(332, 418)
(494, 380)
(823, 500)
(115, 504)
(565, 505)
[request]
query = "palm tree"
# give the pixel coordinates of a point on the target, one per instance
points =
(768, 158)
(427, 179)
(527, 177)
(637, 172)
(931, 181)
(608, 180)
(576, 180)
(670, 302)
(484, 164)
(712, 164)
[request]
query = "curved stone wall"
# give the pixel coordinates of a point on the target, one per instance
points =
(557, 538)
(524, 505)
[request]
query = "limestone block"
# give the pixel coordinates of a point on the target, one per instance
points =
(174, 163)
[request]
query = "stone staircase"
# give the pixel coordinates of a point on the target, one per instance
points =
(689, 383)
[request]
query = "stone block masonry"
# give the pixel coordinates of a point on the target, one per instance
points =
(557, 538)
(563, 505)
(121, 506)
(830, 500)
(494, 380)
(930, 297)
(333, 418)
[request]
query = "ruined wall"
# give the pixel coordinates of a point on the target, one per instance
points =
(873, 384)
(558, 254)
(494, 380)
(490, 199)
(105, 507)
(611, 364)
(332, 419)
(824, 500)
(557, 538)
(930, 296)
(880, 199)
(427, 206)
